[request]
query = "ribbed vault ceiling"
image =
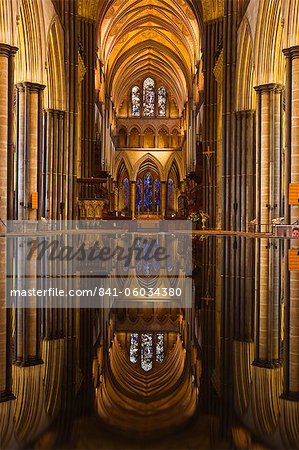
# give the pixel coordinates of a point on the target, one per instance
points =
(140, 38)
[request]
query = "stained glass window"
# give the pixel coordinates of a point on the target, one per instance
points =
(148, 192)
(146, 351)
(157, 195)
(162, 99)
(134, 348)
(138, 195)
(149, 97)
(160, 347)
(126, 194)
(136, 101)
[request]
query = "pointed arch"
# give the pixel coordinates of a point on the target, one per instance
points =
(163, 138)
(291, 20)
(31, 58)
(152, 161)
(149, 97)
(135, 125)
(122, 159)
(174, 161)
(244, 71)
(124, 191)
(162, 101)
(136, 101)
(122, 137)
(8, 21)
(149, 138)
(134, 139)
(269, 59)
(56, 87)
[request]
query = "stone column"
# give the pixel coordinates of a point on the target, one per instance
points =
(87, 36)
(291, 376)
(29, 146)
(133, 198)
(245, 213)
(30, 159)
(163, 199)
(7, 53)
(116, 199)
(267, 369)
(6, 124)
(268, 207)
(54, 166)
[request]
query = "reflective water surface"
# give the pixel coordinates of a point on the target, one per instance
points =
(218, 372)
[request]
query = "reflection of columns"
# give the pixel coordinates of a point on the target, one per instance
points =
(29, 146)
(163, 198)
(28, 319)
(244, 214)
(268, 203)
(133, 198)
(267, 372)
(6, 207)
(291, 376)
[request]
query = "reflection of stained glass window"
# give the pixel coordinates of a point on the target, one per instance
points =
(134, 348)
(126, 194)
(157, 195)
(160, 347)
(148, 345)
(138, 194)
(136, 101)
(148, 192)
(162, 98)
(146, 351)
(170, 194)
(149, 97)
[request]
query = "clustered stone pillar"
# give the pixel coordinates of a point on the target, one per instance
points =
(245, 213)
(87, 36)
(29, 147)
(163, 198)
(54, 166)
(116, 196)
(133, 198)
(7, 53)
(268, 201)
(291, 376)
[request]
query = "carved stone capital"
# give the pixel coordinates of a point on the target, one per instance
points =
(291, 52)
(31, 87)
(7, 50)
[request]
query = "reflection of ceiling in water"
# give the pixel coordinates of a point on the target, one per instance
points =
(147, 384)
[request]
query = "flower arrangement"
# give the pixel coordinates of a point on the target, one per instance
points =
(194, 217)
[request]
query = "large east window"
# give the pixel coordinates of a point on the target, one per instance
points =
(147, 101)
